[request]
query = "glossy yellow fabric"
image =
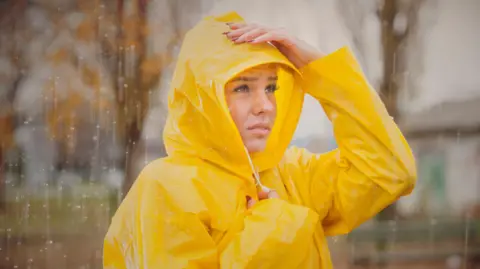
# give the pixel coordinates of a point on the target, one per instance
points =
(189, 210)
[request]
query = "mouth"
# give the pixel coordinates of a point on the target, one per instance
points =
(259, 129)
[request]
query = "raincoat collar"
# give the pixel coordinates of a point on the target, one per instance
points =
(199, 124)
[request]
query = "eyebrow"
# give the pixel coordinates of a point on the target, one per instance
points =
(273, 78)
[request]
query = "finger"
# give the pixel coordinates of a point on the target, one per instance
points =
(267, 37)
(250, 35)
(238, 32)
(273, 194)
(236, 25)
(262, 195)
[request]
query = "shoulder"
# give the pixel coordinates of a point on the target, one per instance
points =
(183, 186)
(165, 170)
(167, 182)
(164, 192)
(180, 181)
(294, 156)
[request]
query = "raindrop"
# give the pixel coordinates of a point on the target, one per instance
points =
(335, 239)
(454, 262)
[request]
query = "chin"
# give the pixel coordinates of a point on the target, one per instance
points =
(256, 146)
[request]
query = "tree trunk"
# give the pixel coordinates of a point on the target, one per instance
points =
(128, 84)
(393, 43)
(390, 42)
(3, 191)
(389, 86)
(394, 59)
(133, 85)
(6, 142)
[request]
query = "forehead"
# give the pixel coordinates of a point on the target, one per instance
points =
(260, 71)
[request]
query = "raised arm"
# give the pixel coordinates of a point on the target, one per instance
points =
(373, 165)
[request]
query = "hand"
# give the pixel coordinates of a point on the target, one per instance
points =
(262, 195)
(297, 52)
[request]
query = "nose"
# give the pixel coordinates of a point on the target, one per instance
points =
(262, 102)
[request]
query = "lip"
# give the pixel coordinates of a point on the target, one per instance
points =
(259, 129)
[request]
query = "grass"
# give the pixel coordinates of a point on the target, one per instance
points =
(83, 209)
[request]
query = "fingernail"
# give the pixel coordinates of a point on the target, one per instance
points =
(225, 33)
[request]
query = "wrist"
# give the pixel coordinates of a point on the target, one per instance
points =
(305, 52)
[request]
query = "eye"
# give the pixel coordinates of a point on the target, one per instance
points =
(242, 88)
(271, 88)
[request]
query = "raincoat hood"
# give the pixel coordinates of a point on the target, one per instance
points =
(199, 123)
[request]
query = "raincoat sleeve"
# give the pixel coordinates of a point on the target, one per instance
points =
(161, 232)
(373, 165)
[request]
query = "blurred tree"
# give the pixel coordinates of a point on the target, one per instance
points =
(398, 23)
(122, 29)
(8, 76)
(6, 141)
(131, 87)
(151, 31)
(139, 70)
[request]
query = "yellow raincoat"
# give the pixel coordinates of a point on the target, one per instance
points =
(188, 210)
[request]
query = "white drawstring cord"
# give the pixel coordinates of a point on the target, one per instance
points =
(256, 175)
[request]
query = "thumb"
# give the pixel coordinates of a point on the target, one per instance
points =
(262, 195)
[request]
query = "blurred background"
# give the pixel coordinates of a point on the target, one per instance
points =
(83, 87)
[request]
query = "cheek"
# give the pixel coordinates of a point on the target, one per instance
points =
(273, 101)
(239, 113)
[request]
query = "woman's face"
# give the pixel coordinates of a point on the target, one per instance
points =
(251, 101)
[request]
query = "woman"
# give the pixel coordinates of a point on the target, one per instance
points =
(230, 194)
